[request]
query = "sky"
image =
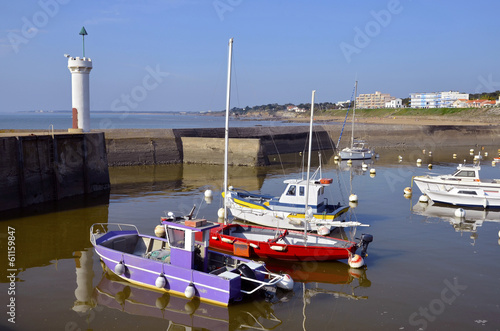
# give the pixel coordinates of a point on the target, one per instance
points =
(171, 55)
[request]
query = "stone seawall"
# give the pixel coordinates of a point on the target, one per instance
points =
(253, 145)
(247, 146)
(37, 168)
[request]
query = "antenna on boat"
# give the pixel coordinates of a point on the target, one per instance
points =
(306, 213)
(226, 131)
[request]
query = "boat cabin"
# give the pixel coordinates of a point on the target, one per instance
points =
(465, 173)
(295, 193)
(188, 241)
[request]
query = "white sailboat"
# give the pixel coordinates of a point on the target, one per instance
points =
(357, 151)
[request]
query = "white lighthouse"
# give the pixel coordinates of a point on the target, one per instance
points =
(80, 95)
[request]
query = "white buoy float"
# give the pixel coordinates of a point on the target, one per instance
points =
(220, 213)
(160, 231)
(353, 204)
(454, 156)
(209, 194)
(120, 268)
(430, 153)
(429, 166)
(353, 198)
(323, 231)
(419, 162)
(373, 171)
(364, 166)
(355, 261)
(423, 151)
(372, 175)
(336, 158)
(498, 234)
(400, 158)
(485, 153)
(423, 198)
(349, 161)
(189, 291)
(407, 190)
(286, 282)
(493, 163)
(160, 281)
(460, 213)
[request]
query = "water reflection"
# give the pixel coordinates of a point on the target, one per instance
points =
(49, 232)
(180, 313)
(473, 219)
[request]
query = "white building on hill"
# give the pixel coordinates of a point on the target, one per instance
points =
(436, 99)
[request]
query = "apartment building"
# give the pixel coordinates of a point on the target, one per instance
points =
(436, 99)
(375, 100)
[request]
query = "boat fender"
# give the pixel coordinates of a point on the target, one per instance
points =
(161, 281)
(278, 248)
(254, 245)
(189, 291)
(286, 282)
(356, 261)
(227, 240)
(120, 268)
(323, 230)
(326, 181)
(160, 231)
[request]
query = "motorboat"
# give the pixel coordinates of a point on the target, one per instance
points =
(263, 242)
(180, 263)
(462, 188)
(288, 211)
(466, 176)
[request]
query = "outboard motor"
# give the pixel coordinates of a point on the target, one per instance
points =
(365, 240)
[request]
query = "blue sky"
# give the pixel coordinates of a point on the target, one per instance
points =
(282, 51)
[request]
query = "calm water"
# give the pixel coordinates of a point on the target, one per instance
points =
(425, 269)
(63, 121)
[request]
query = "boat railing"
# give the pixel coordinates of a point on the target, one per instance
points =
(99, 229)
(275, 279)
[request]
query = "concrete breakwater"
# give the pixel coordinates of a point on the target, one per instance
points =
(39, 167)
(252, 146)
(247, 146)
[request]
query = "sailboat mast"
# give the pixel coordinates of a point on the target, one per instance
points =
(308, 167)
(354, 113)
(226, 131)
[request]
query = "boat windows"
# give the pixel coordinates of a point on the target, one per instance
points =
(302, 190)
(291, 190)
(467, 192)
(176, 237)
(465, 173)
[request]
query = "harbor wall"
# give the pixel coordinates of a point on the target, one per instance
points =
(252, 146)
(37, 168)
(247, 146)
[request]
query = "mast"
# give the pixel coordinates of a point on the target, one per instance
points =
(354, 112)
(306, 217)
(226, 131)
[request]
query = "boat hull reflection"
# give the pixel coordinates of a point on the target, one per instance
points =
(115, 293)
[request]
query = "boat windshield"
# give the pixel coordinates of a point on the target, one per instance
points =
(464, 173)
(176, 237)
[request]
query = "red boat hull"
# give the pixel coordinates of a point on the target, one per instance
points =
(274, 250)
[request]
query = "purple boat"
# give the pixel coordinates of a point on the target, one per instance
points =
(181, 263)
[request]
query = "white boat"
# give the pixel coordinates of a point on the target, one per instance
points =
(288, 211)
(357, 150)
(468, 197)
(466, 176)
(462, 188)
